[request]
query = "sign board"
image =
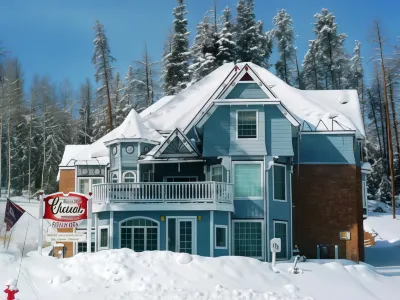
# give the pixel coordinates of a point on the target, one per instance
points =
(275, 245)
(345, 235)
(65, 210)
(65, 237)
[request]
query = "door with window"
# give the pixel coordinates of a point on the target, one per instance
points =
(181, 235)
(281, 231)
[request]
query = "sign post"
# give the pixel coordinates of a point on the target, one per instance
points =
(275, 246)
(89, 224)
(40, 227)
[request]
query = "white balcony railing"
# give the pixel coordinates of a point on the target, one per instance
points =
(163, 192)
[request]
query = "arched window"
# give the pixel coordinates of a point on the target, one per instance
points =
(139, 234)
(129, 177)
(114, 178)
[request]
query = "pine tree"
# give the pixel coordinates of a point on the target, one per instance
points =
(252, 44)
(176, 74)
(284, 35)
(226, 44)
(102, 61)
(203, 51)
(357, 73)
(85, 123)
(329, 51)
(129, 91)
(116, 99)
(311, 74)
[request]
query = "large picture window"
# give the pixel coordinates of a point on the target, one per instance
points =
(248, 180)
(139, 234)
(247, 124)
(279, 183)
(281, 231)
(86, 184)
(248, 239)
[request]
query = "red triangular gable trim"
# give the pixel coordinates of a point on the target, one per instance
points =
(246, 77)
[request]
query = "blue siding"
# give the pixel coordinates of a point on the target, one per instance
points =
(327, 149)
(129, 161)
(243, 146)
(278, 132)
(216, 133)
(247, 91)
(357, 154)
(203, 226)
(103, 218)
(279, 211)
(221, 218)
(249, 209)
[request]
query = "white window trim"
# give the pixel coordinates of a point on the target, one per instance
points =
(132, 172)
(139, 217)
(114, 175)
(99, 237)
(261, 178)
(83, 231)
(287, 238)
(215, 167)
(262, 235)
(226, 237)
(273, 183)
(90, 182)
(237, 125)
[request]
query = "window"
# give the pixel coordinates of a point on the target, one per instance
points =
(217, 174)
(281, 231)
(129, 177)
(247, 124)
(279, 183)
(364, 194)
(103, 237)
(82, 246)
(221, 237)
(248, 180)
(248, 239)
(139, 234)
(114, 178)
(86, 184)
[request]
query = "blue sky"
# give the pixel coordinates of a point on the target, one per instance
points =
(54, 37)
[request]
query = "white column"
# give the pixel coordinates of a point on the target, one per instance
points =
(40, 227)
(89, 223)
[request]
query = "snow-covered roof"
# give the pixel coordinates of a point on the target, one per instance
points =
(69, 152)
(156, 105)
(315, 110)
(133, 127)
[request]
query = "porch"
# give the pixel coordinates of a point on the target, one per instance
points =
(198, 195)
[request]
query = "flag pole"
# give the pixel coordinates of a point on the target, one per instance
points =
(40, 227)
(22, 254)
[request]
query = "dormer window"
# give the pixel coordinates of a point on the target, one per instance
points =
(246, 124)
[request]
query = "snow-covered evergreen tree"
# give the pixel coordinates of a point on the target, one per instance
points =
(116, 98)
(357, 73)
(284, 35)
(129, 91)
(329, 51)
(85, 122)
(252, 44)
(102, 61)
(311, 74)
(176, 63)
(203, 51)
(226, 43)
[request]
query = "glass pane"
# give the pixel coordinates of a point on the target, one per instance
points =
(185, 236)
(217, 174)
(151, 239)
(279, 183)
(280, 232)
(172, 235)
(129, 177)
(220, 237)
(248, 239)
(126, 238)
(247, 124)
(104, 238)
(84, 186)
(248, 180)
(138, 239)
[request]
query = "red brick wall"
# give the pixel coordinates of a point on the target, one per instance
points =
(327, 199)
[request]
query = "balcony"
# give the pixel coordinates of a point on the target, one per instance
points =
(207, 195)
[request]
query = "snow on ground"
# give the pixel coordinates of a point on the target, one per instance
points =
(123, 274)
(385, 255)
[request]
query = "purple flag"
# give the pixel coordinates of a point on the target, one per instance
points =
(13, 213)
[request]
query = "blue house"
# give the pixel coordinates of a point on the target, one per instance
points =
(229, 163)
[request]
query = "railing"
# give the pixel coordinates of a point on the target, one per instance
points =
(163, 192)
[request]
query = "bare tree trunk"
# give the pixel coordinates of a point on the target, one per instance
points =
(383, 121)
(389, 132)
(146, 68)
(375, 121)
(30, 146)
(44, 147)
(298, 71)
(110, 120)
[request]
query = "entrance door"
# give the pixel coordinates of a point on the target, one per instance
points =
(181, 235)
